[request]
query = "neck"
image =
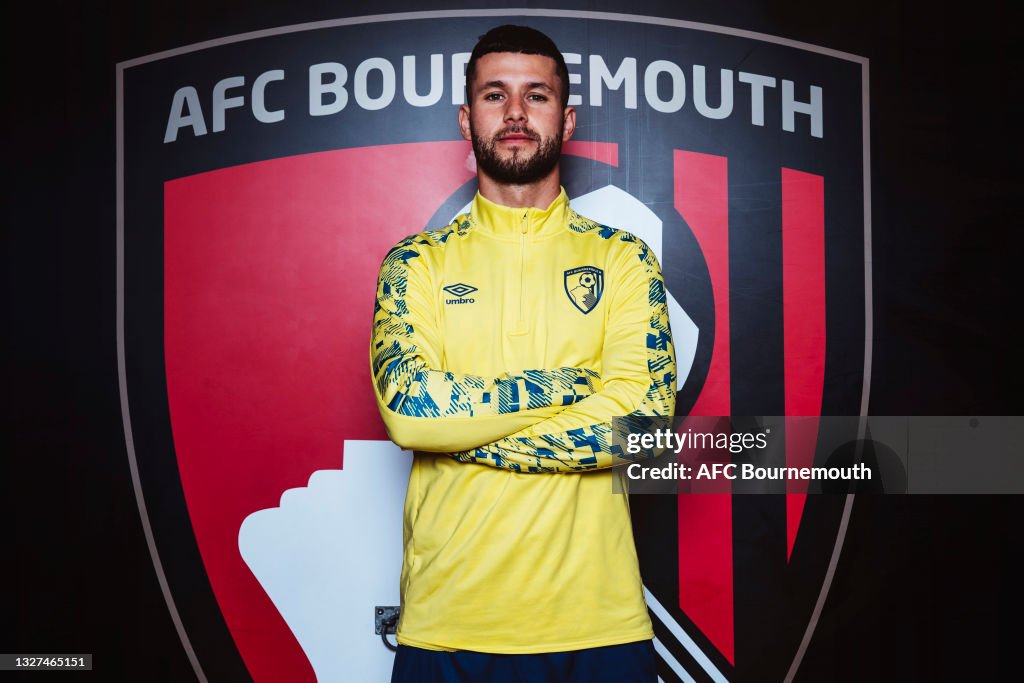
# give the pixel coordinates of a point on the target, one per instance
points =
(537, 195)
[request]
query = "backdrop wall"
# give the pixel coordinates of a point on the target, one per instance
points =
(261, 180)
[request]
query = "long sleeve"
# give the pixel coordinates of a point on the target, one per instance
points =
(638, 371)
(428, 409)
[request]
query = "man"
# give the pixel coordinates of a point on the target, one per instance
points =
(502, 347)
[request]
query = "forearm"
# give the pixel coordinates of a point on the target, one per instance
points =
(581, 437)
(431, 410)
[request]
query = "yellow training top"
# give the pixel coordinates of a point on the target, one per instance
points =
(502, 346)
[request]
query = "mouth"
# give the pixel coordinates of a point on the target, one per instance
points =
(516, 138)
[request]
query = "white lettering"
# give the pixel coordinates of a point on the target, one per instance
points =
(335, 87)
(757, 85)
(359, 83)
(259, 109)
(178, 119)
(664, 82)
(574, 79)
(700, 94)
(856, 472)
(677, 95)
(433, 96)
(221, 103)
(790, 107)
(624, 77)
(459, 62)
(714, 470)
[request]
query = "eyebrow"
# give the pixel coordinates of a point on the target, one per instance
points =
(530, 86)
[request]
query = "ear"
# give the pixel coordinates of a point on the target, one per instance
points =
(568, 123)
(464, 123)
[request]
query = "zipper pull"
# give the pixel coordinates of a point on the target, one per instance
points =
(524, 224)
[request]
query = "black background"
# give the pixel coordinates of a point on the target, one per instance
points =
(922, 590)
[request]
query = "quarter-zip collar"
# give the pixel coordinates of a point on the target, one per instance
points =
(508, 223)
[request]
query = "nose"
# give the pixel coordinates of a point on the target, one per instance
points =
(514, 110)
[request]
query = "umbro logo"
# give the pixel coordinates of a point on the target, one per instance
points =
(460, 291)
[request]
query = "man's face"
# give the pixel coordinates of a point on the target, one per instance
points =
(515, 117)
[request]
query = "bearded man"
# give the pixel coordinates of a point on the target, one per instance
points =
(503, 345)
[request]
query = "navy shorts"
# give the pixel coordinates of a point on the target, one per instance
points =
(627, 663)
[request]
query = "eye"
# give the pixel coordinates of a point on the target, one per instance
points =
(493, 96)
(537, 97)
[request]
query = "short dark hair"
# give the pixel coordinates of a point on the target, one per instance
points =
(521, 39)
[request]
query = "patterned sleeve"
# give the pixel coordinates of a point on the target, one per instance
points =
(638, 374)
(427, 409)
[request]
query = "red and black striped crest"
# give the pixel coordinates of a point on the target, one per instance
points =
(263, 178)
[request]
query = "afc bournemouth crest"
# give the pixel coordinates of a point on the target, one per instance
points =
(584, 287)
(262, 179)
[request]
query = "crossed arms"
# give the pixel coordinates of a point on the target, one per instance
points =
(543, 420)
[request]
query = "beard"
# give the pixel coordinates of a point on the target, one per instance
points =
(518, 168)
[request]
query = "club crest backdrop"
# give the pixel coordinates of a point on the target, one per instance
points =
(263, 177)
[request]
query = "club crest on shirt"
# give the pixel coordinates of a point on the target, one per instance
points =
(584, 286)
